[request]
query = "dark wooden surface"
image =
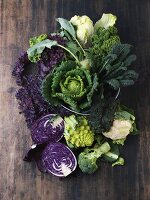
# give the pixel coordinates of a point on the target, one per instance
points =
(21, 19)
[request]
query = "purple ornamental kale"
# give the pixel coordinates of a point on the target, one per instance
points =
(31, 102)
(19, 68)
(51, 57)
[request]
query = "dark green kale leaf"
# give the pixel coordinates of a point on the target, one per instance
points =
(102, 113)
(114, 71)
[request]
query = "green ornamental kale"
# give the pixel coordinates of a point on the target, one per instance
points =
(37, 39)
(71, 85)
(34, 41)
(88, 158)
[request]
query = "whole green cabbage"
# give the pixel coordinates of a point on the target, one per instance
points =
(70, 84)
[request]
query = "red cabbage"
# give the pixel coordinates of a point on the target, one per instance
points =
(49, 128)
(19, 68)
(58, 159)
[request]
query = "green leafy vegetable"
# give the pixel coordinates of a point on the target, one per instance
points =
(71, 85)
(34, 53)
(102, 42)
(73, 47)
(88, 158)
(113, 154)
(35, 40)
(106, 21)
(115, 68)
(102, 113)
(68, 30)
(66, 25)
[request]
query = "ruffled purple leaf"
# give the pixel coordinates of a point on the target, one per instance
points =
(19, 68)
(31, 102)
(51, 57)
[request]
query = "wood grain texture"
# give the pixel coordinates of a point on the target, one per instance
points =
(21, 19)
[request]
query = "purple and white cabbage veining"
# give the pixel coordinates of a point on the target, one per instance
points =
(49, 128)
(58, 159)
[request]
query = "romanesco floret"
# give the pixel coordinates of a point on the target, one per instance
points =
(78, 132)
(88, 158)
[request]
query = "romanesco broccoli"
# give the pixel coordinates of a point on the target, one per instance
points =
(78, 132)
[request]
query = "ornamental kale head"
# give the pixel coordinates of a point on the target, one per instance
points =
(71, 85)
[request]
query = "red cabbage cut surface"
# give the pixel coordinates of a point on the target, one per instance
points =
(49, 128)
(58, 159)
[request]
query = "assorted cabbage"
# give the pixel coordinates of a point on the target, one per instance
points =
(85, 28)
(72, 96)
(106, 21)
(71, 85)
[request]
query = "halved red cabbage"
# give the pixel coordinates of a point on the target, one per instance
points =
(58, 159)
(49, 128)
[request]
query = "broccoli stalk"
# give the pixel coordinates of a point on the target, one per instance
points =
(88, 158)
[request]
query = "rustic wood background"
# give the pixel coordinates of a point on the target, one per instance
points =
(21, 19)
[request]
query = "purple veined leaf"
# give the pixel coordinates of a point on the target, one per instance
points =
(49, 128)
(58, 159)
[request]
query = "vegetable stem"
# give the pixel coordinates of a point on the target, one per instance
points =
(69, 52)
(80, 45)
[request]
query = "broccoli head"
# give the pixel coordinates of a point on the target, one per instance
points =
(88, 158)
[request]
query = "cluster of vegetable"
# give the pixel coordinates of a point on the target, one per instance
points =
(72, 97)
